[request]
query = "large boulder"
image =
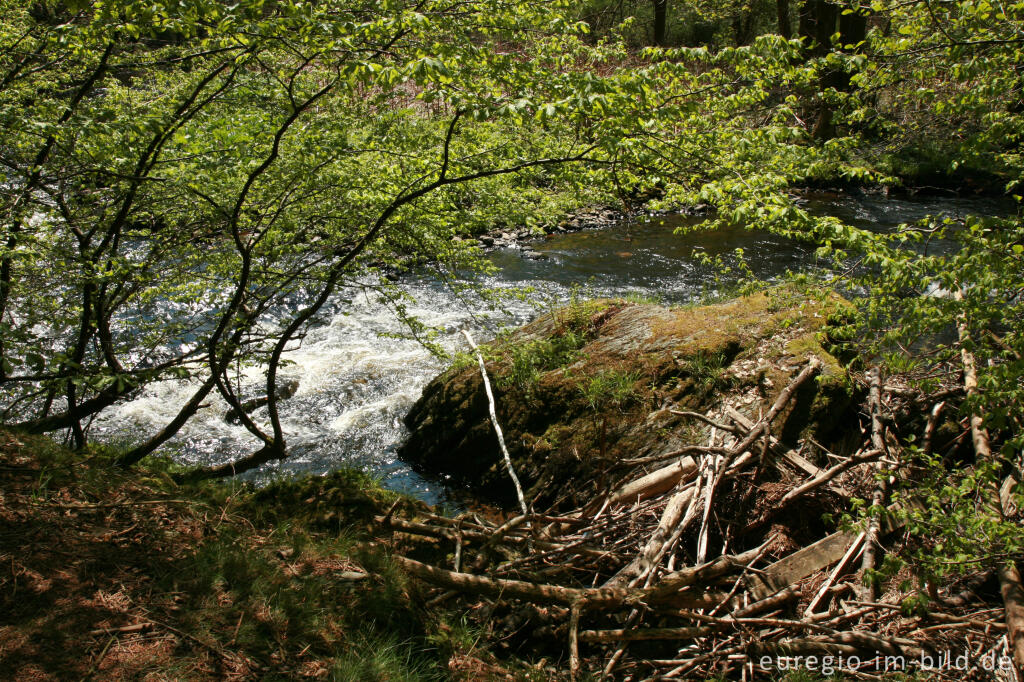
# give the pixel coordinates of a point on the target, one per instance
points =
(584, 387)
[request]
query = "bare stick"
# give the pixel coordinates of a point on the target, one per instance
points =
(674, 582)
(496, 587)
(929, 429)
(574, 640)
(494, 422)
(851, 553)
(867, 590)
(710, 466)
(707, 420)
(761, 427)
(827, 476)
(652, 551)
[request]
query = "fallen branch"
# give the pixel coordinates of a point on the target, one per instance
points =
(653, 550)
(497, 427)
(654, 483)
(498, 587)
(868, 560)
(672, 583)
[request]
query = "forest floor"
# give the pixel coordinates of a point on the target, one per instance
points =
(127, 576)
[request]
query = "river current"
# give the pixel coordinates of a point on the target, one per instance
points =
(356, 380)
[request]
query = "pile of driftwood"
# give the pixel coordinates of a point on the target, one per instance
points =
(664, 578)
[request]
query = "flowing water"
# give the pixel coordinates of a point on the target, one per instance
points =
(356, 381)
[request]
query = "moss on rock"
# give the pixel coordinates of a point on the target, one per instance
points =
(575, 414)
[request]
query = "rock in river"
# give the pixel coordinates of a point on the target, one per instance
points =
(586, 386)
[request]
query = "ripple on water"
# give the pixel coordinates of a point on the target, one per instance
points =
(356, 381)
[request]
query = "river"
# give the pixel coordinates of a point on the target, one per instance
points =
(356, 381)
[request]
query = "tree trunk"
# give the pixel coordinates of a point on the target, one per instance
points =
(782, 11)
(660, 21)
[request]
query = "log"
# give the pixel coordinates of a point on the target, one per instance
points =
(467, 535)
(800, 647)
(652, 551)
(929, 429)
(519, 589)
(767, 604)
(785, 395)
(863, 640)
(668, 586)
(655, 483)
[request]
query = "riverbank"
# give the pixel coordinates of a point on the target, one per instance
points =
(583, 388)
(691, 477)
(121, 575)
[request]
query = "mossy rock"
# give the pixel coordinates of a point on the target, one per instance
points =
(608, 399)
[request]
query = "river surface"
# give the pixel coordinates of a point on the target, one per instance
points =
(356, 381)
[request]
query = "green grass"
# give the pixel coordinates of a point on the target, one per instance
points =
(705, 370)
(610, 388)
(530, 359)
(375, 657)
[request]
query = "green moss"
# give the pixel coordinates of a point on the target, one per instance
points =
(807, 345)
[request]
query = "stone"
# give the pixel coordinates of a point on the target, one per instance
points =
(584, 386)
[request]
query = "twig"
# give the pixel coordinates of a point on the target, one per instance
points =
(707, 420)
(99, 659)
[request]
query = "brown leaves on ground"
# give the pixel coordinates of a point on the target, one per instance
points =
(90, 561)
(75, 566)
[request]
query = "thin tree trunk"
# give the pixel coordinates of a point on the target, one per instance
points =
(869, 562)
(660, 21)
(497, 426)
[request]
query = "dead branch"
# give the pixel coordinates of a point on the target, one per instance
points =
(496, 587)
(868, 561)
(497, 427)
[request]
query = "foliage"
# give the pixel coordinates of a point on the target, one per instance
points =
(186, 184)
(940, 78)
(530, 359)
(610, 388)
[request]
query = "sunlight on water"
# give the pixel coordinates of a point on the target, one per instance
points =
(356, 384)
